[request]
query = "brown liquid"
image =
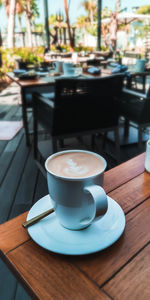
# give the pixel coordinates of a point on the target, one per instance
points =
(75, 165)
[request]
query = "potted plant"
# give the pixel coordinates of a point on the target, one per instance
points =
(26, 58)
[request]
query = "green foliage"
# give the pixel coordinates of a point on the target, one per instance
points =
(145, 10)
(92, 29)
(82, 21)
(106, 12)
(83, 48)
(34, 11)
(34, 8)
(39, 27)
(32, 56)
(104, 48)
(66, 48)
(142, 30)
(63, 48)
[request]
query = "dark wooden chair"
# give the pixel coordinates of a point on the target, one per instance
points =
(135, 107)
(81, 106)
(138, 81)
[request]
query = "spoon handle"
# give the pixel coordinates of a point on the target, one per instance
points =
(37, 218)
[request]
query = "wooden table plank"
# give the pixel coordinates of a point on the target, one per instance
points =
(132, 193)
(101, 266)
(124, 172)
(133, 280)
(12, 234)
(58, 278)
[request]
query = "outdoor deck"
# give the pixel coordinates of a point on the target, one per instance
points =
(21, 184)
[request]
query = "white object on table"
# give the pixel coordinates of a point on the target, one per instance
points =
(147, 157)
(75, 58)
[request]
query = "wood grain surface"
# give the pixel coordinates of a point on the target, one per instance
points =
(123, 173)
(119, 272)
(133, 192)
(52, 276)
(12, 234)
(133, 281)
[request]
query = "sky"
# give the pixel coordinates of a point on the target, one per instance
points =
(76, 9)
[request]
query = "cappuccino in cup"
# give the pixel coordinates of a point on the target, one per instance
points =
(75, 180)
(75, 165)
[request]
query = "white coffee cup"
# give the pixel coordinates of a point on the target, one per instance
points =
(58, 66)
(68, 69)
(75, 180)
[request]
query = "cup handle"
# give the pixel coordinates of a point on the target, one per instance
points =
(99, 198)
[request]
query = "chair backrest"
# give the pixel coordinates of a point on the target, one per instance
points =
(136, 105)
(83, 103)
(145, 115)
(99, 88)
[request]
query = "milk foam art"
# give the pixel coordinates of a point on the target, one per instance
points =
(74, 168)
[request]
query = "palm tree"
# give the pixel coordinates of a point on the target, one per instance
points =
(91, 7)
(30, 9)
(68, 24)
(11, 8)
(19, 11)
(82, 21)
(25, 6)
(7, 5)
(11, 24)
(118, 5)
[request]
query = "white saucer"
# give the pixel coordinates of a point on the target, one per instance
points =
(49, 234)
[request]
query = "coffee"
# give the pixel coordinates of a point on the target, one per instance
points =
(75, 164)
(77, 195)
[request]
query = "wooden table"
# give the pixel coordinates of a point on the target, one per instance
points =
(120, 272)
